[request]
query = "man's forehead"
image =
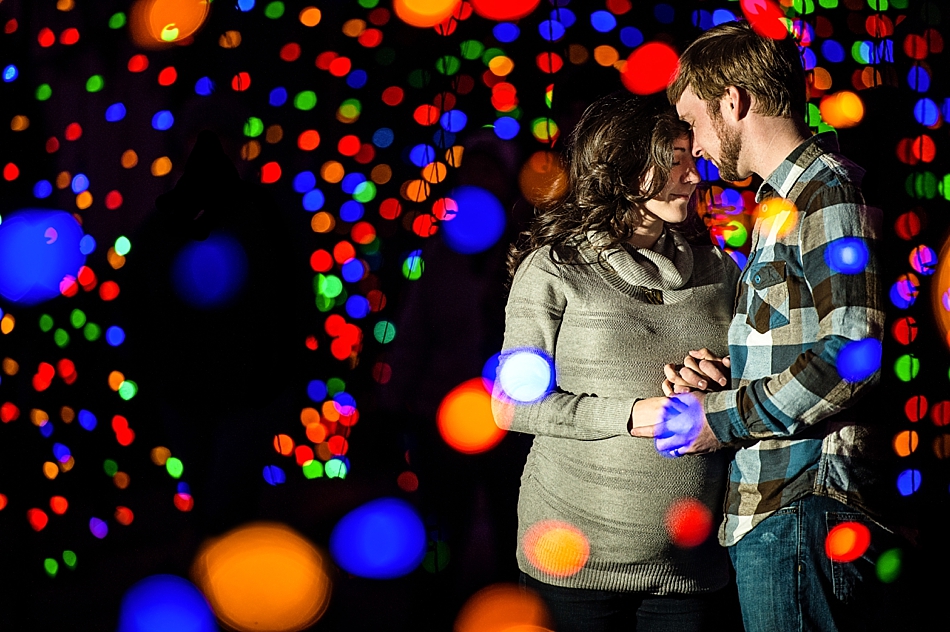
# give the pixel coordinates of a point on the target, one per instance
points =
(686, 102)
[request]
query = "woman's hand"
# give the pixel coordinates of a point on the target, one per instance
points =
(647, 413)
(701, 370)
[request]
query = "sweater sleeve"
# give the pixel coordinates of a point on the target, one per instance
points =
(532, 320)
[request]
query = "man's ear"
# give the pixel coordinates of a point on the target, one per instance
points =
(736, 104)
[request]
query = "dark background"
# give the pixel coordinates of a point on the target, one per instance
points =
(250, 371)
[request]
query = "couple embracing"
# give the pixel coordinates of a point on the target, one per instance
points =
(757, 424)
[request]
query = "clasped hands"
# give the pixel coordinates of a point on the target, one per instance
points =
(677, 422)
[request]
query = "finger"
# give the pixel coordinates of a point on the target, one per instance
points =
(664, 445)
(674, 407)
(727, 361)
(714, 371)
(668, 388)
(704, 354)
(671, 371)
(642, 431)
(679, 390)
(694, 378)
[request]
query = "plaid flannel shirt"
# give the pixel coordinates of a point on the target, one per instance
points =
(787, 409)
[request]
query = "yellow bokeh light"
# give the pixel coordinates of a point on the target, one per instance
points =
(50, 470)
(230, 39)
(775, 217)
(84, 200)
(38, 417)
(263, 576)
(556, 548)
(424, 13)
(501, 65)
(7, 323)
(843, 109)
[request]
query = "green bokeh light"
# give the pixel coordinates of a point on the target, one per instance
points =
(437, 557)
(43, 92)
(77, 318)
(128, 389)
(448, 65)
(110, 467)
(384, 331)
(274, 10)
(472, 49)
(413, 266)
(889, 565)
(313, 469)
(117, 20)
(69, 558)
(95, 83)
(253, 127)
(305, 100)
(61, 338)
(335, 468)
(122, 245)
(174, 467)
(335, 385)
(365, 192)
(92, 332)
(51, 566)
(906, 367)
(46, 322)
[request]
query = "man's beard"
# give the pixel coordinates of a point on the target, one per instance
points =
(730, 144)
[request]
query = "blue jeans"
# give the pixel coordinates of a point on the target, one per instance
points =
(583, 610)
(787, 582)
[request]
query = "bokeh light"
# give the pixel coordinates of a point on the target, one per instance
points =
(165, 602)
(503, 608)
(847, 541)
(843, 109)
(859, 359)
(650, 68)
(211, 273)
(38, 250)
(263, 576)
(479, 222)
(556, 548)
(526, 375)
(381, 539)
(424, 13)
(465, 421)
(156, 23)
(689, 522)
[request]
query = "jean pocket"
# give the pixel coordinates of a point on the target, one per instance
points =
(768, 304)
(852, 545)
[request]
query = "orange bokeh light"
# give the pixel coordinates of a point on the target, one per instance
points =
(556, 548)
(263, 576)
(847, 542)
(158, 23)
(843, 109)
(424, 13)
(940, 293)
(465, 419)
(502, 608)
(543, 180)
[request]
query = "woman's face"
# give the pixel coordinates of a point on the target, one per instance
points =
(671, 204)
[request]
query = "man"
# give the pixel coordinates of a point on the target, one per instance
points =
(803, 461)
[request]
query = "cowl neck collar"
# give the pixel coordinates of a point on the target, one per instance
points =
(667, 265)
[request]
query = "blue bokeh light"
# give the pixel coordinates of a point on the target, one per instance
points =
(453, 121)
(506, 32)
(551, 30)
(115, 336)
(87, 420)
(526, 375)
(702, 19)
(479, 222)
(847, 255)
(357, 306)
(721, 16)
(313, 200)
(351, 181)
(87, 245)
(277, 96)
(382, 539)
(204, 87)
(79, 183)
(631, 36)
(926, 112)
(351, 211)
(317, 390)
(859, 359)
(42, 189)
(421, 155)
(115, 112)
(564, 16)
(919, 79)
(211, 273)
(908, 482)
(383, 137)
(664, 13)
(163, 120)
(274, 475)
(38, 249)
(506, 127)
(603, 21)
(245, 5)
(10, 73)
(356, 79)
(165, 602)
(832, 51)
(304, 181)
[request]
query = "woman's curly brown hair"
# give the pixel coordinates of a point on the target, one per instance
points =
(619, 156)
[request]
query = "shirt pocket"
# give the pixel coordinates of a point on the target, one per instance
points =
(769, 304)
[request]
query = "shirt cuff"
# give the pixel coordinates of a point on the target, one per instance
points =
(722, 415)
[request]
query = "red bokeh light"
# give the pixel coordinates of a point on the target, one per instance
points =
(37, 519)
(847, 542)
(138, 63)
(916, 408)
(503, 10)
(270, 173)
(650, 68)
(290, 52)
(167, 76)
(765, 17)
(689, 522)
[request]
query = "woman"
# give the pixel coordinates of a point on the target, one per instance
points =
(608, 291)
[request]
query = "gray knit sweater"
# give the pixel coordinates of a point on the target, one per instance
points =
(609, 343)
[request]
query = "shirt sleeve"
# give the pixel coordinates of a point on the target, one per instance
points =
(837, 228)
(533, 316)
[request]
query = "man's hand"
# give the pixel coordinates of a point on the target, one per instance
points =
(701, 370)
(682, 427)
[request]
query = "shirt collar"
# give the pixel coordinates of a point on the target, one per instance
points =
(790, 170)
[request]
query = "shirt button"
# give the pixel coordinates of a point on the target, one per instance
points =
(758, 279)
